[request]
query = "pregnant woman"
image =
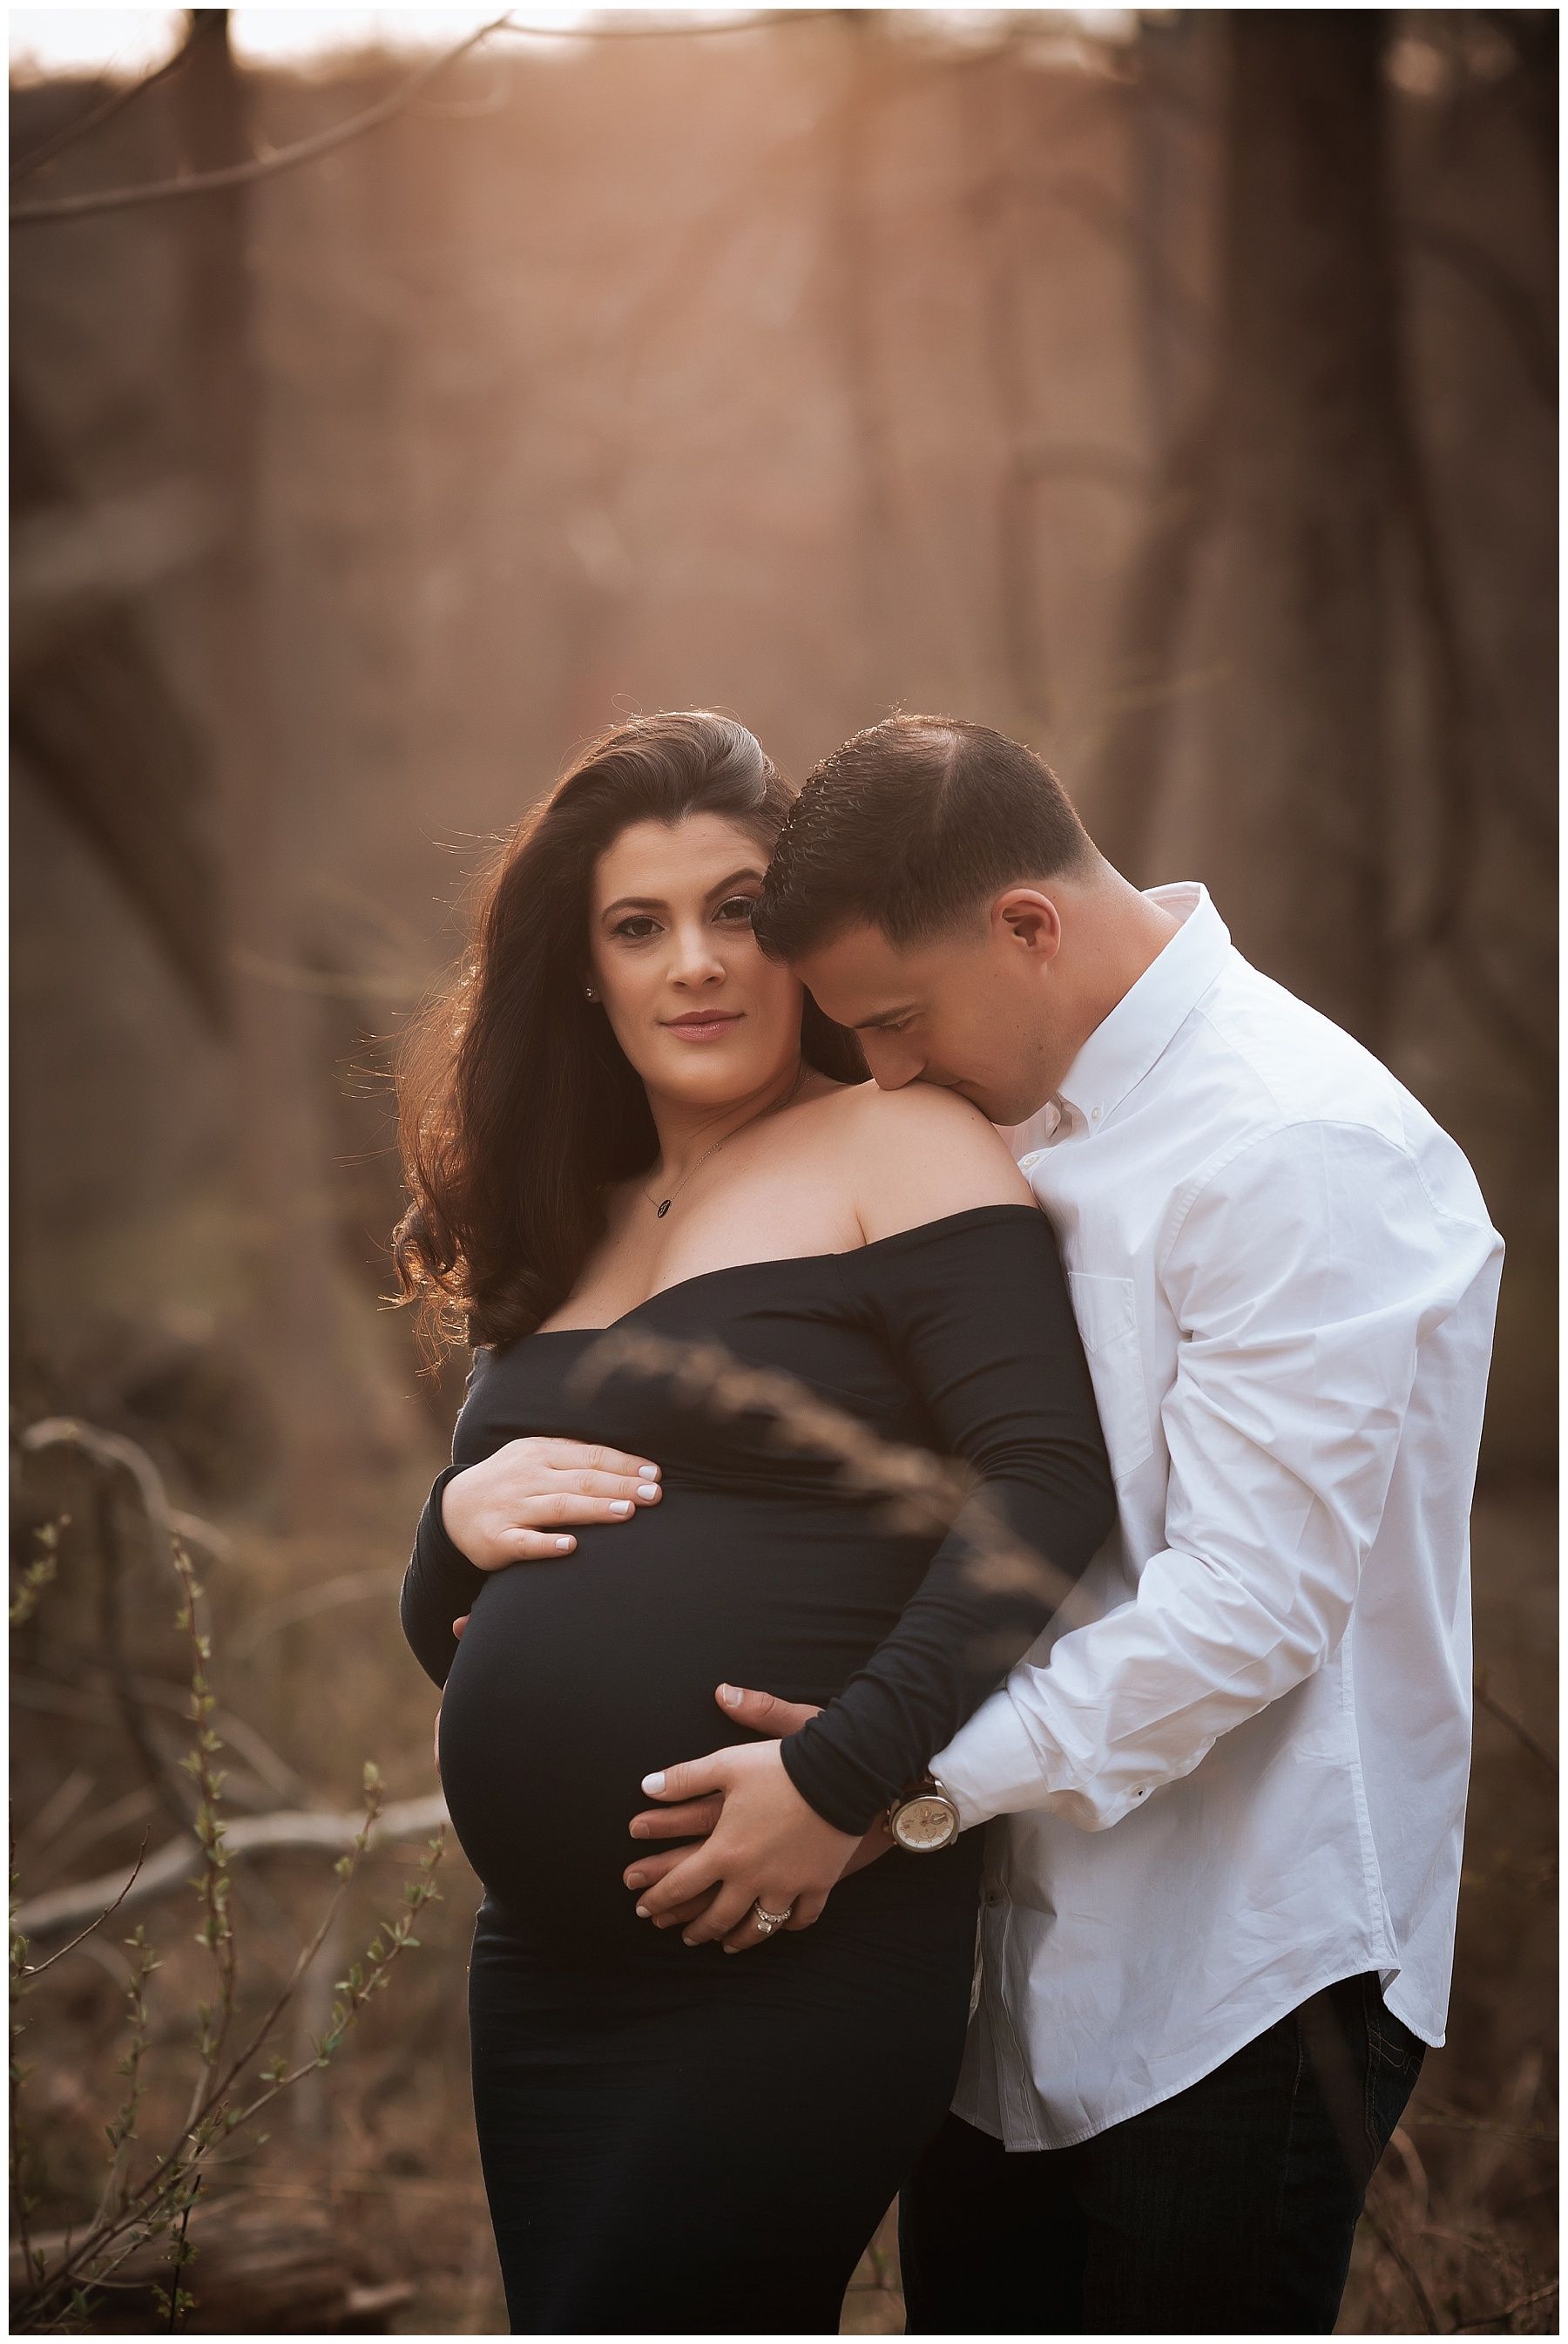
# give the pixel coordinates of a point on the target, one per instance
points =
(626, 1116)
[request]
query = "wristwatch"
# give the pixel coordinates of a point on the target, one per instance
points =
(925, 1818)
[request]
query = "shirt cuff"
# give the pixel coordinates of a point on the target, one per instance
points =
(992, 1766)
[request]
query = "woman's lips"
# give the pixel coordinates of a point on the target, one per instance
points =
(703, 1029)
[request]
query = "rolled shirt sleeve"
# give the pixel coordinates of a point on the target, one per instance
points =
(1303, 1274)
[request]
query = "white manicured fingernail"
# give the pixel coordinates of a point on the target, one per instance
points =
(646, 1489)
(620, 1506)
(653, 1782)
(651, 1471)
(730, 1696)
(641, 1910)
(565, 1546)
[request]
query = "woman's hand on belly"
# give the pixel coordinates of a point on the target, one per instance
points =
(767, 1848)
(518, 1505)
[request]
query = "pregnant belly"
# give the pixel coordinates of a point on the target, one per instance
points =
(575, 1678)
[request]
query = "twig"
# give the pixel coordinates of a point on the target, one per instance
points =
(763, 20)
(1507, 2310)
(62, 1701)
(146, 2208)
(162, 1772)
(1520, 1731)
(264, 166)
(212, 1881)
(1397, 2255)
(305, 1603)
(93, 119)
(1456, 2120)
(31, 1970)
(111, 1449)
(122, 2131)
(1509, 300)
(178, 2298)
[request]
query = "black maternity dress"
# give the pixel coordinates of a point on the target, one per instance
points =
(674, 2138)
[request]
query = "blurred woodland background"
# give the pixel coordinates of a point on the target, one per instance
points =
(1173, 388)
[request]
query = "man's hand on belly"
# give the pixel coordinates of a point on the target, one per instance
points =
(769, 1824)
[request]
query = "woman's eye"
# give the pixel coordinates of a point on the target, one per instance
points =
(737, 908)
(637, 926)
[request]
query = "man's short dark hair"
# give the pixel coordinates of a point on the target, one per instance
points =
(913, 825)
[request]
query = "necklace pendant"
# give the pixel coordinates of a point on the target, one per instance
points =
(664, 1209)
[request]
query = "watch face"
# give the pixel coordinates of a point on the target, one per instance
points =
(924, 1823)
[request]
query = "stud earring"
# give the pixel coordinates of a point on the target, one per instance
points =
(589, 993)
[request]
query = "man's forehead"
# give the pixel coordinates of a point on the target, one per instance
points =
(859, 977)
(860, 958)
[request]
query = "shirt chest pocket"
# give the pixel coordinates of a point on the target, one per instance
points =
(1108, 1321)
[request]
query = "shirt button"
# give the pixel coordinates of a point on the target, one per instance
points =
(1094, 1115)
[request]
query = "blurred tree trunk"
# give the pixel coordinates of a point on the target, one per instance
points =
(872, 664)
(1267, 587)
(1307, 425)
(988, 93)
(279, 1162)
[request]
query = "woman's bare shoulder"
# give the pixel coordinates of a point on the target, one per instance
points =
(916, 1154)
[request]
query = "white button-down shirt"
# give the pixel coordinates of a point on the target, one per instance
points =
(1244, 1776)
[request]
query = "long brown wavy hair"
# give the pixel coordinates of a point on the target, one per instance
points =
(517, 1106)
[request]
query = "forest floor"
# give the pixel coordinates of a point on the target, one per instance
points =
(378, 2151)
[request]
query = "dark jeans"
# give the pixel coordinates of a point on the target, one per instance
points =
(1229, 2208)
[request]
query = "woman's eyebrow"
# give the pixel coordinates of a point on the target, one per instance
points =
(635, 903)
(658, 903)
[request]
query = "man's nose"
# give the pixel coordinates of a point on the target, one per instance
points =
(891, 1065)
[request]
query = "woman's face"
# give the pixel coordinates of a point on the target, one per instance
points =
(700, 1013)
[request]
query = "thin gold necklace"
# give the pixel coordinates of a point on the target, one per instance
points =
(662, 1205)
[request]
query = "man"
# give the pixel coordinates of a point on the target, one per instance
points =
(1219, 1915)
(1224, 1816)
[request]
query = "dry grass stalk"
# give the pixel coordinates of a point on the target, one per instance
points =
(57, 2289)
(922, 1492)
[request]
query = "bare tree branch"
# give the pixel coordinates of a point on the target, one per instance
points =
(264, 167)
(326, 1833)
(1408, 2272)
(1520, 1733)
(93, 119)
(1509, 300)
(265, 1763)
(289, 158)
(631, 29)
(1506, 2310)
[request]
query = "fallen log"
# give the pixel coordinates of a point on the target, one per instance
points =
(256, 2272)
(326, 1833)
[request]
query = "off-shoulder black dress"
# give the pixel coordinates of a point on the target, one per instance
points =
(674, 2138)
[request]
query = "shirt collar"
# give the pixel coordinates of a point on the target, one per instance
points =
(1141, 1029)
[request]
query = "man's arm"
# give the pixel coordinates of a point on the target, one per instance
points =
(1304, 1276)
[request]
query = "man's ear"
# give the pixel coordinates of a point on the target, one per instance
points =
(1029, 920)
